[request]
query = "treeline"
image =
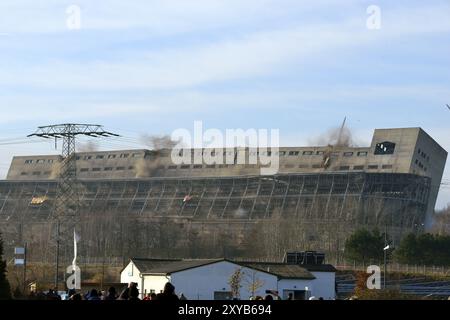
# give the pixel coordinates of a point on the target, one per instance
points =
(365, 246)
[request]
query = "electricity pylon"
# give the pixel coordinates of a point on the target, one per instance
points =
(65, 213)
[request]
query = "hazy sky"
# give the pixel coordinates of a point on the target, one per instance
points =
(154, 66)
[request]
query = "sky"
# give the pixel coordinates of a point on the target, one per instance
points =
(152, 67)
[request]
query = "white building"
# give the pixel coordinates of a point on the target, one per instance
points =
(208, 279)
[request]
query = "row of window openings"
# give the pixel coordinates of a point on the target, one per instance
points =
(268, 153)
(199, 166)
(110, 156)
(314, 166)
(47, 173)
(423, 154)
(420, 165)
(39, 161)
(293, 153)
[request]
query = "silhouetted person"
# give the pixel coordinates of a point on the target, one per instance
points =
(93, 295)
(290, 296)
(168, 293)
(76, 297)
(111, 296)
(134, 294)
(269, 298)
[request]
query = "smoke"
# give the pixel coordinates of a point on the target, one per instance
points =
(147, 167)
(159, 142)
(56, 170)
(89, 146)
(338, 137)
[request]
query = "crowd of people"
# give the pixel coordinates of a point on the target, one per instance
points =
(131, 293)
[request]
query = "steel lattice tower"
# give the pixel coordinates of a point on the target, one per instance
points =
(65, 214)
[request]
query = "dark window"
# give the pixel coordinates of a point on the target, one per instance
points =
(384, 148)
(362, 154)
(23, 173)
(358, 168)
(185, 166)
(198, 166)
(373, 166)
(334, 154)
(348, 154)
(112, 156)
(84, 170)
(36, 173)
(293, 153)
(282, 153)
(40, 161)
(120, 168)
(108, 169)
(417, 161)
(96, 169)
(344, 168)
(307, 153)
(386, 166)
(130, 168)
(50, 161)
(124, 155)
(319, 153)
(172, 167)
(47, 173)
(87, 157)
(28, 161)
(99, 157)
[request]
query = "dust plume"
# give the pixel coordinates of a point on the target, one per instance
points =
(337, 137)
(149, 166)
(89, 146)
(158, 143)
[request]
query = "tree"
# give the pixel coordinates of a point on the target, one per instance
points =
(5, 289)
(235, 283)
(253, 282)
(365, 246)
(425, 249)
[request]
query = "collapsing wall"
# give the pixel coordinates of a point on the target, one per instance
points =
(219, 216)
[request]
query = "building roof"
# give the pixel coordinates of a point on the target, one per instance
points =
(168, 266)
(280, 270)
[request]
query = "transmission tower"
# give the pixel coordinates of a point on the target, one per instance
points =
(65, 214)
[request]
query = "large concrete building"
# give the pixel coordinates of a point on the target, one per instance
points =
(328, 191)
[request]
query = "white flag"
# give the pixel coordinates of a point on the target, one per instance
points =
(76, 239)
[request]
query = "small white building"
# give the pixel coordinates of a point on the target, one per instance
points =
(208, 279)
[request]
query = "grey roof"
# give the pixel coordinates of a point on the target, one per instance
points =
(280, 270)
(168, 266)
